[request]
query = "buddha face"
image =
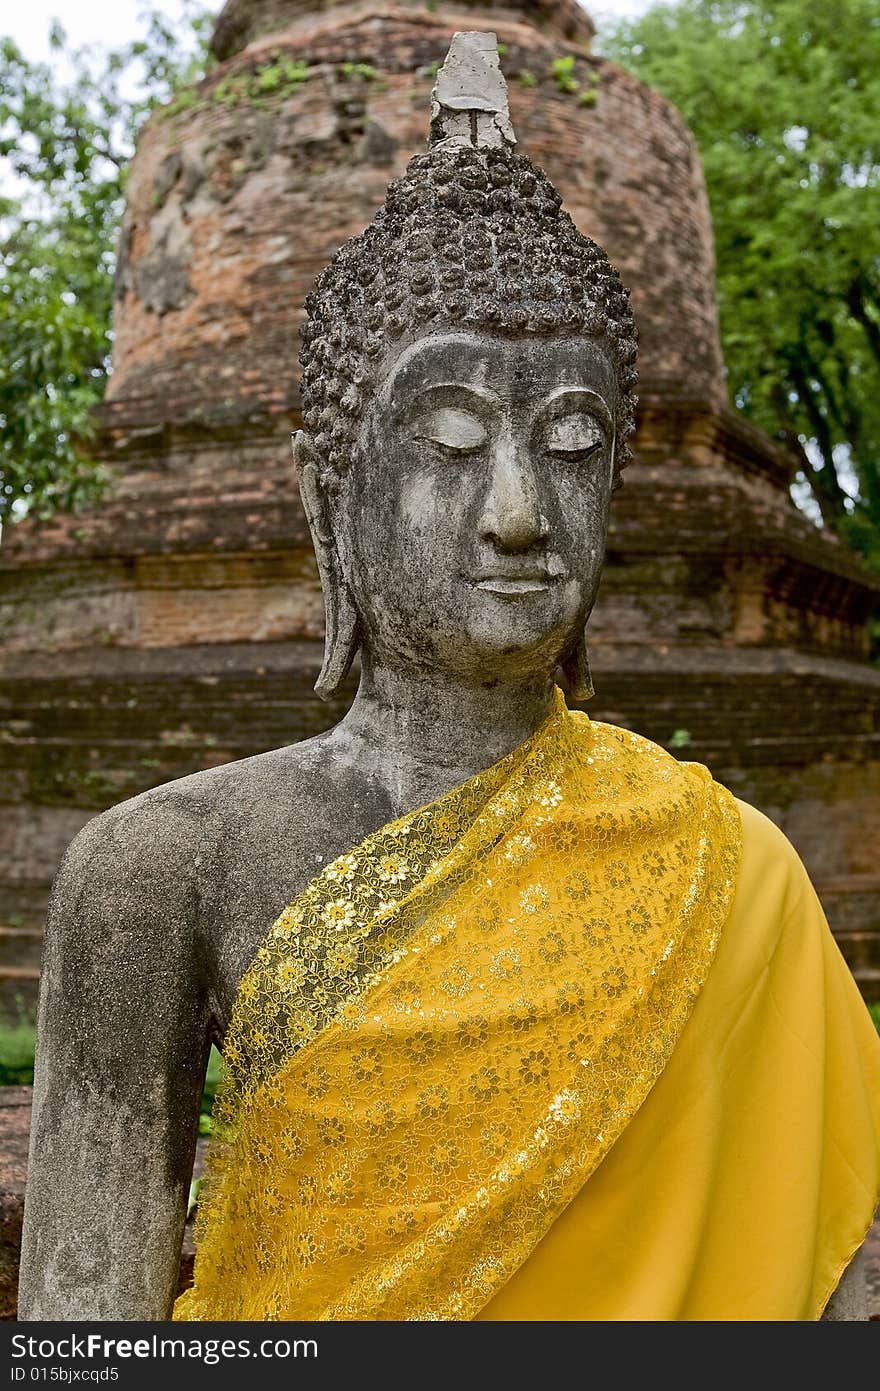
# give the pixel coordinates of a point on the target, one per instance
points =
(472, 529)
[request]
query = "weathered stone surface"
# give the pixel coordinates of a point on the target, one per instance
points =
(179, 625)
(15, 1120)
(469, 101)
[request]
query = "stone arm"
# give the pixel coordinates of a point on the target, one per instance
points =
(122, 1049)
(849, 1303)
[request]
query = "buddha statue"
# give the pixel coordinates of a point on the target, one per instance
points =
(521, 1017)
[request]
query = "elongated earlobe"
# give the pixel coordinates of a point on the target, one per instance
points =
(576, 672)
(341, 627)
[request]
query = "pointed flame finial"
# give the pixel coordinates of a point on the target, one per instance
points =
(469, 100)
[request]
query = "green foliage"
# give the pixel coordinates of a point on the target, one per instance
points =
(279, 77)
(874, 1011)
(212, 1081)
(65, 143)
(269, 78)
(17, 1053)
(562, 71)
(679, 739)
(526, 78)
(364, 70)
(783, 97)
(564, 74)
(195, 1189)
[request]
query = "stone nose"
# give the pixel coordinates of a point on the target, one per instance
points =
(512, 517)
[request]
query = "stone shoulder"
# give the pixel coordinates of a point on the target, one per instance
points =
(172, 829)
(174, 834)
(162, 826)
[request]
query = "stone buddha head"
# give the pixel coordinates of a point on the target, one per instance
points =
(468, 366)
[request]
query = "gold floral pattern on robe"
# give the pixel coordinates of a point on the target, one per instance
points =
(443, 1035)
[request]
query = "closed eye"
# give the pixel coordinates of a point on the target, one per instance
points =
(575, 436)
(451, 429)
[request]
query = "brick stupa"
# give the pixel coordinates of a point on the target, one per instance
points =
(179, 624)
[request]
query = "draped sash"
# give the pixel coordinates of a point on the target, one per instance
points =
(443, 1035)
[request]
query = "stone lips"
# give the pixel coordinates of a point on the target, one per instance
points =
(179, 624)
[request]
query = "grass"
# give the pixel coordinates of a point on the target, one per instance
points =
(212, 1077)
(17, 1053)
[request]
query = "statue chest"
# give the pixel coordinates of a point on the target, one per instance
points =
(256, 874)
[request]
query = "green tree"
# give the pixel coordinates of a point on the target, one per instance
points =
(782, 97)
(67, 132)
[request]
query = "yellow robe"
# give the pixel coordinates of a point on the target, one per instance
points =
(573, 1041)
(746, 1181)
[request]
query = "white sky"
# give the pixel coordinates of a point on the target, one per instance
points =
(109, 22)
(114, 22)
